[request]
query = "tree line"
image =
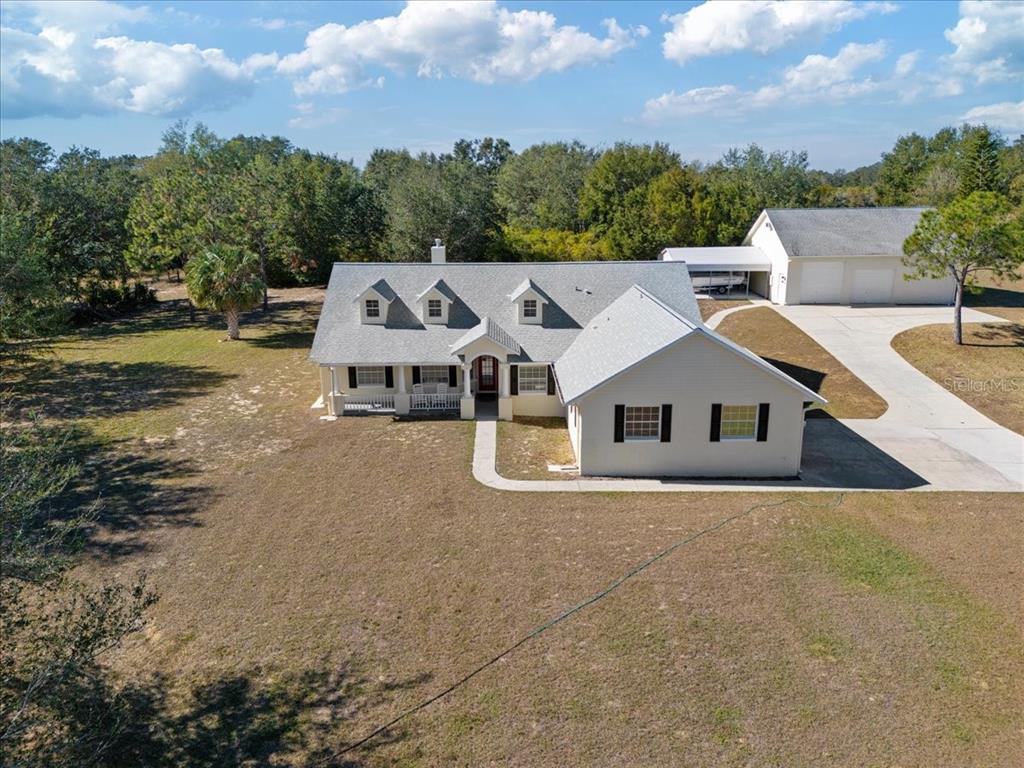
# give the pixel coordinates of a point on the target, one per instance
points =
(79, 229)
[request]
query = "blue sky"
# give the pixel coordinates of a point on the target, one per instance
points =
(839, 79)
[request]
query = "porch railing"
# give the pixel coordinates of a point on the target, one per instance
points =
(428, 401)
(370, 403)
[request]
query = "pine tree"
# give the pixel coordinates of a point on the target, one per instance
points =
(980, 171)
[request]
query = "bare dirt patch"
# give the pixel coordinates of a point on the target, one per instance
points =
(766, 333)
(526, 446)
(708, 307)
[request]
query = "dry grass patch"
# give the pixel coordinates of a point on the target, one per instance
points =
(708, 307)
(987, 372)
(322, 587)
(527, 445)
(766, 333)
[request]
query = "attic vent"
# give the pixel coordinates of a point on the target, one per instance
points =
(584, 290)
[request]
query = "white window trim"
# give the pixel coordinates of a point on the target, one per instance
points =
(440, 308)
(656, 437)
(376, 303)
(739, 438)
(383, 377)
(536, 308)
(531, 393)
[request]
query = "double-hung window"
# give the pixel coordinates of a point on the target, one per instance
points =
(370, 376)
(642, 422)
(739, 422)
(434, 374)
(433, 307)
(529, 307)
(372, 308)
(533, 379)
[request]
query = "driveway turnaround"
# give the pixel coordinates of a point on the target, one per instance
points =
(926, 428)
(927, 440)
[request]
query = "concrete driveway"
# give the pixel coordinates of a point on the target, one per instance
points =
(927, 429)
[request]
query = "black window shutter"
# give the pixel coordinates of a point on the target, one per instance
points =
(666, 423)
(353, 382)
(389, 376)
(620, 423)
(453, 380)
(551, 380)
(416, 374)
(513, 375)
(716, 422)
(762, 422)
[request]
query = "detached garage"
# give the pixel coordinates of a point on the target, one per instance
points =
(842, 256)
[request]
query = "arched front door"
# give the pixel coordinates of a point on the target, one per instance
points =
(486, 374)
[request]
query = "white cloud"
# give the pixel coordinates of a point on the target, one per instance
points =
(816, 78)
(273, 25)
(478, 41)
(905, 64)
(312, 116)
(1005, 116)
(61, 60)
(715, 28)
(989, 40)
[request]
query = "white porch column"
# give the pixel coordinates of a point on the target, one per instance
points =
(467, 404)
(401, 379)
(504, 379)
(403, 402)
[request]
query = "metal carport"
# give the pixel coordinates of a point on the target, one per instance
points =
(746, 260)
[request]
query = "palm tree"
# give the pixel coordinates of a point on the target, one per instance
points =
(226, 279)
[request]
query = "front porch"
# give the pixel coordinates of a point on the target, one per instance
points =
(398, 390)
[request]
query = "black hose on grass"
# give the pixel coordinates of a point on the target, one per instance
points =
(576, 609)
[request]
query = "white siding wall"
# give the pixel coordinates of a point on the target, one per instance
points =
(537, 405)
(573, 423)
(904, 291)
(764, 237)
(691, 375)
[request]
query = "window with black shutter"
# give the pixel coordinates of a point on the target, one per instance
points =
(620, 423)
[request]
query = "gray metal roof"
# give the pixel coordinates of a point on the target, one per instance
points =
(577, 292)
(633, 328)
(720, 258)
(807, 232)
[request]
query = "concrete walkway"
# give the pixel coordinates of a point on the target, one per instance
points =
(926, 428)
(713, 321)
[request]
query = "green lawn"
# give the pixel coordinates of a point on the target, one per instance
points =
(317, 578)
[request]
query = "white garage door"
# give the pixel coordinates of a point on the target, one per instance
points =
(872, 286)
(821, 282)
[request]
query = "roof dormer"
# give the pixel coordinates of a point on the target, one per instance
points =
(435, 302)
(530, 301)
(374, 303)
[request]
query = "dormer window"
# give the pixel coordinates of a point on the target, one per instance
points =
(374, 302)
(436, 301)
(530, 301)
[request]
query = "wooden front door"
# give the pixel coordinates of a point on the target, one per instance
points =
(486, 374)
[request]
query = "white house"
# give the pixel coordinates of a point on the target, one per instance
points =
(823, 256)
(617, 348)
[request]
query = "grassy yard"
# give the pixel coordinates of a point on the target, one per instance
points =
(768, 334)
(988, 370)
(318, 578)
(527, 445)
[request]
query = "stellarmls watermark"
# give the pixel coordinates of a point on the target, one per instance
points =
(968, 384)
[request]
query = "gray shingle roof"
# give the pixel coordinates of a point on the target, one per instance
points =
(528, 285)
(381, 287)
(577, 291)
(490, 330)
(844, 231)
(633, 328)
(441, 287)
